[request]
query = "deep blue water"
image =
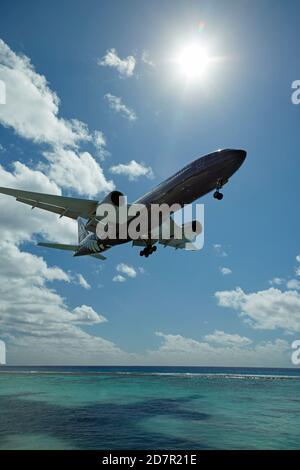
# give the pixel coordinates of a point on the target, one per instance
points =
(149, 408)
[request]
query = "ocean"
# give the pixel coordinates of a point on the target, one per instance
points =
(149, 408)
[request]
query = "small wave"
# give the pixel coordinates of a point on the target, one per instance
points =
(134, 373)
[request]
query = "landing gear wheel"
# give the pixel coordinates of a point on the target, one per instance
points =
(148, 251)
(218, 195)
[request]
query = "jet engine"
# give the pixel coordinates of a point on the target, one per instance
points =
(191, 229)
(116, 198)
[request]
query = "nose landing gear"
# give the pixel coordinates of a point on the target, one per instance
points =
(148, 251)
(217, 194)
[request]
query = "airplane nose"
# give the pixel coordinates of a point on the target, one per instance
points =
(241, 155)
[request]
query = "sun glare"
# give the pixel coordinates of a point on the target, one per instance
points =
(193, 61)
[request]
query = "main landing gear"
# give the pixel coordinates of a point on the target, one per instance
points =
(148, 251)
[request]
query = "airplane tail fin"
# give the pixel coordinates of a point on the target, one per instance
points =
(82, 231)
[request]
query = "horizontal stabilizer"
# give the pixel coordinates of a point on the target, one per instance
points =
(59, 246)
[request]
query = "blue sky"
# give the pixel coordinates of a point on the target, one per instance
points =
(176, 308)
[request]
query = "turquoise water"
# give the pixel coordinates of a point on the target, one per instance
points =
(149, 408)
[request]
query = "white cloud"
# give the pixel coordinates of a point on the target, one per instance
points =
(133, 170)
(125, 67)
(178, 343)
(83, 282)
(18, 221)
(220, 337)
(180, 350)
(293, 284)
(225, 271)
(32, 110)
(218, 249)
(35, 321)
(119, 278)
(276, 281)
(125, 269)
(116, 104)
(268, 309)
(78, 171)
(99, 142)
(298, 258)
(31, 106)
(146, 58)
(86, 314)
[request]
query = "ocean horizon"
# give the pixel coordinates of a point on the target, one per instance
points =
(137, 407)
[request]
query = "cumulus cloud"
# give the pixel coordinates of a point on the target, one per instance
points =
(119, 278)
(83, 282)
(267, 309)
(220, 337)
(133, 170)
(146, 58)
(298, 267)
(100, 144)
(219, 348)
(276, 281)
(126, 269)
(35, 321)
(86, 314)
(225, 271)
(78, 171)
(32, 108)
(18, 221)
(116, 104)
(219, 250)
(125, 66)
(293, 284)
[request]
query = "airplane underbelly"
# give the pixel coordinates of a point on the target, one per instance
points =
(192, 189)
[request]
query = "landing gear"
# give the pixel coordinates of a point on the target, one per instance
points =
(218, 195)
(148, 251)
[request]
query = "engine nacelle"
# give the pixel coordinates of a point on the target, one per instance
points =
(116, 198)
(191, 229)
(108, 211)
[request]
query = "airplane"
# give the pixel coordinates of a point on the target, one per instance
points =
(205, 174)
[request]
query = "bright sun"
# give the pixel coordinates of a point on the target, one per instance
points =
(193, 61)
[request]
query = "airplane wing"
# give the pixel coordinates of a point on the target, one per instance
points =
(63, 206)
(59, 246)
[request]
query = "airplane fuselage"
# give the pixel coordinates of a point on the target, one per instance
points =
(196, 179)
